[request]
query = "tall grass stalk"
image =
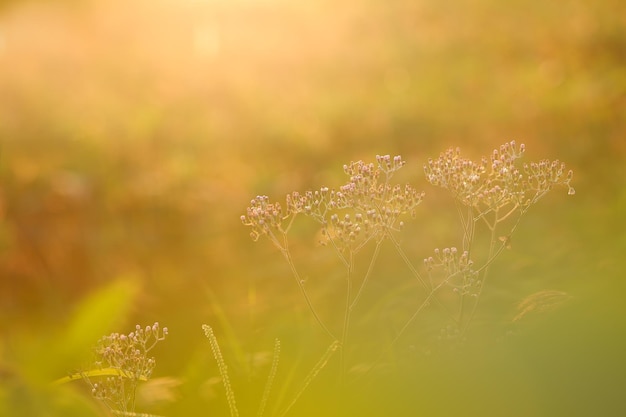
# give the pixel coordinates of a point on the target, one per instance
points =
(270, 378)
(312, 374)
(223, 369)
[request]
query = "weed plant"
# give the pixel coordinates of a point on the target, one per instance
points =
(121, 362)
(491, 196)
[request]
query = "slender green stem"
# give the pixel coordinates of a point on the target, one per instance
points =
(342, 258)
(485, 272)
(316, 370)
(346, 317)
(287, 255)
(468, 226)
(408, 262)
(424, 304)
(286, 229)
(492, 255)
(416, 274)
(370, 269)
(503, 218)
(132, 394)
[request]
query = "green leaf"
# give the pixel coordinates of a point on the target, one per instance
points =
(97, 315)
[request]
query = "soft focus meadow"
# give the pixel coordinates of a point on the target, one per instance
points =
(134, 134)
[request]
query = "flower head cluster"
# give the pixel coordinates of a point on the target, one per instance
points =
(461, 176)
(110, 390)
(458, 269)
(348, 229)
(123, 361)
(363, 207)
(262, 216)
(128, 353)
(543, 175)
(496, 182)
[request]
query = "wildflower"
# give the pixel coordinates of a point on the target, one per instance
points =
(490, 185)
(370, 205)
(262, 216)
(124, 361)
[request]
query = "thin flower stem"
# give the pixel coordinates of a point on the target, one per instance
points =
(314, 372)
(468, 226)
(362, 244)
(296, 275)
(370, 269)
(424, 304)
(286, 229)
(503, 218)
(342, 258)
(416, 274)
(346, 317)
(407, 261)
(491, 259)
(485, 271)
(493, 254)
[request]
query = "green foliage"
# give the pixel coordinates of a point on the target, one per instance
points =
(97, 314)
(26, 389)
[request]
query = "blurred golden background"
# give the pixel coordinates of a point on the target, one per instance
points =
(134, 133)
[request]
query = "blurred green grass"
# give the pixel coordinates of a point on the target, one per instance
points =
(133, 135)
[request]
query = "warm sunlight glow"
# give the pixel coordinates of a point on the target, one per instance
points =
(233, 166)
